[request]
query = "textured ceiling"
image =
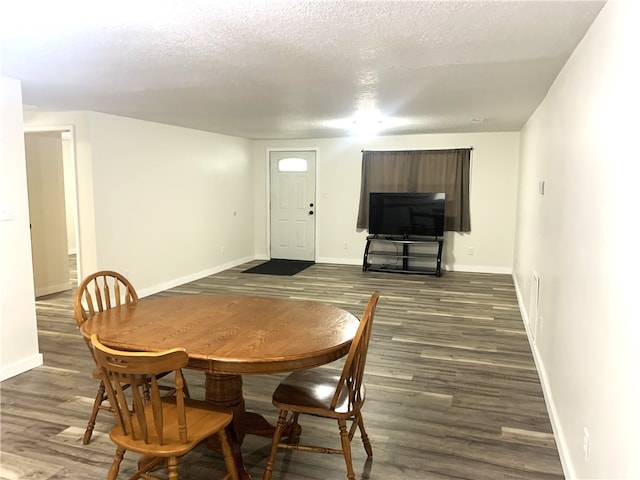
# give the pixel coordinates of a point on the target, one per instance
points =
(294, 69)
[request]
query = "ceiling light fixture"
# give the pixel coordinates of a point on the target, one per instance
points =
(367, 123)
(366, 126)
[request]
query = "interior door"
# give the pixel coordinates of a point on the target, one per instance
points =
(47, 214)
(293, 205)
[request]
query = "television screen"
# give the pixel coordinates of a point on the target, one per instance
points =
(406, 214)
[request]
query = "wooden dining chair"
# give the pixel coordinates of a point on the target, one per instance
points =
(164, 428)
(321, 393)
(96, 293)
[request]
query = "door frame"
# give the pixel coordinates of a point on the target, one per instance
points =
(267, 166)
(73, 187)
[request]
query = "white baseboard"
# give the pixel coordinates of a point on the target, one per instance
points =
(340, 261)
(563, 450)
(21, 366)
(192, 277)
(450, 268)
(477, 269)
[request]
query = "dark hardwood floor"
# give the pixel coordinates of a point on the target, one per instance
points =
(452, 390)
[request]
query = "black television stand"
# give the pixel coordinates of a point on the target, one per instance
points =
(403, 254)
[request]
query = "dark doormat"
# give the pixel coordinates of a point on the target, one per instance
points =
(280, 267)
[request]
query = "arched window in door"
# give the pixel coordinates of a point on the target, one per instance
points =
(292, 164)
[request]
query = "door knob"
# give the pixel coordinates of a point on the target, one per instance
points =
(310, 212)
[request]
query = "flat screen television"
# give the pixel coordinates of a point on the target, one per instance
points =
(406, 214)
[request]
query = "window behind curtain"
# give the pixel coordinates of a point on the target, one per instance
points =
(415, 171)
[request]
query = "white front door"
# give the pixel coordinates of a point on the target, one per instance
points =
(293, 205)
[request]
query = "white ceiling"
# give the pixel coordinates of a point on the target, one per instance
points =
(294, 69)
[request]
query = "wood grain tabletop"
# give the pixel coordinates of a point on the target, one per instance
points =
(231, 334)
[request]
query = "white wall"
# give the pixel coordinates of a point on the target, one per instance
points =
(18, 333)
(71, 204)
(580, 238)
(494, 173)
(159, 202)
(171, 203)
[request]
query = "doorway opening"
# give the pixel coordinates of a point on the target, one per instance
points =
(53, 212)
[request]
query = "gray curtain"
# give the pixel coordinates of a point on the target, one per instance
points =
(415, 171)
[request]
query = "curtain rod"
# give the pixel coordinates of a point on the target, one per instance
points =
(468, 148)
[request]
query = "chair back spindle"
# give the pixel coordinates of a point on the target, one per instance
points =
(159, 427)
(140, 370)
(353, 369)
(100, 291)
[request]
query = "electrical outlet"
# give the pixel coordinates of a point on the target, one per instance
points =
(586, 440)
(346, 245)
(222, 250)
(470, 251)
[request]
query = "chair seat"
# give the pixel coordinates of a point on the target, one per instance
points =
(311, 391)
(203, 419)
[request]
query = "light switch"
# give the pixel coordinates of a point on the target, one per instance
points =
(6, 212)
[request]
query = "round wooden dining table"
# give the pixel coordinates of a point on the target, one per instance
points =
(227, 336)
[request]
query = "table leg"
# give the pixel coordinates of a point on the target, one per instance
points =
(226, 391)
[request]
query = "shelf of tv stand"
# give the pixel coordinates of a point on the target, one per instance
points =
(403, 260)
